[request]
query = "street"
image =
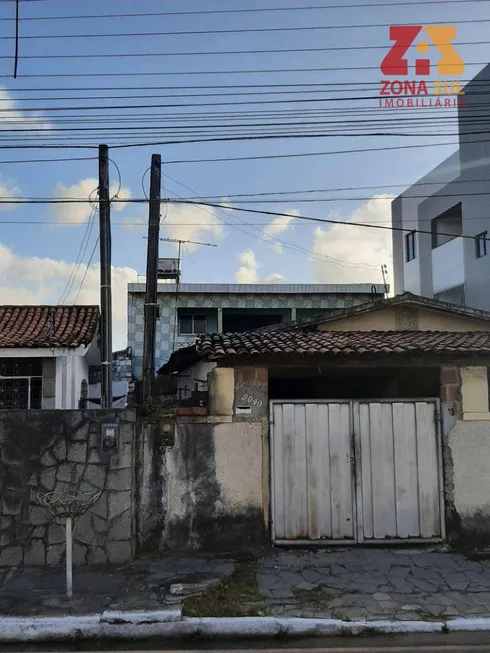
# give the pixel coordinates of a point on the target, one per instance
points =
(465, 642)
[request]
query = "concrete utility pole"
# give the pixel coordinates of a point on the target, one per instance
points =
(151, 305)
(105, 278)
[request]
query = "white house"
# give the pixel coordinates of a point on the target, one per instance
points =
(45, 355)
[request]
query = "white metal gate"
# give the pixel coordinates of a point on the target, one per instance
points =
(345, 471)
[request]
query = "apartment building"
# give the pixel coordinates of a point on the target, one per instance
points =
(451, 261)
(186, 310)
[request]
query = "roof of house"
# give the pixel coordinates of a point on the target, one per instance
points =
(405, 299)
(301, 338)
(47, 326)
(329, 343)
(342, 343)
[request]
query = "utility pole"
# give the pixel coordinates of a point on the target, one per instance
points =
(105, 278)
(151, 305)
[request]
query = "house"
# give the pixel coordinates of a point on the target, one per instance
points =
(368, 425)
(450, 260)
(45, 354)
(188, 310)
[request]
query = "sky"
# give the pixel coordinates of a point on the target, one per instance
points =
(49, 253)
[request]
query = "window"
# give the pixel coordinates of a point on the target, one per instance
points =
(192, 324)
(481, 244)
(447, 226)
(410, 246)
(20, 383)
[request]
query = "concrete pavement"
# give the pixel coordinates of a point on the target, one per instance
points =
(274, 593)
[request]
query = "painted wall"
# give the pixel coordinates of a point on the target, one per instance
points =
(44, 451)
(416, 275)
(401, 317)
(448, 265)
(469, 443)
(211, 482)
(70, 371)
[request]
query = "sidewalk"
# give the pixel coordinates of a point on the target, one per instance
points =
(334, 587)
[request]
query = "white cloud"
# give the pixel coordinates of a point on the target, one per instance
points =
(8, 188)
(355, 254)
(86, 188)
(42, 281)
(11, 117)
(278, 226)
(249, 270)
(191, 222)
(275, 277)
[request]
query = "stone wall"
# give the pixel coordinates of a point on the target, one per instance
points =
(45, 451)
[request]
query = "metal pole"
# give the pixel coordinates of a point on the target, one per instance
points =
(69, 557)
(105, 278)
(150, 311)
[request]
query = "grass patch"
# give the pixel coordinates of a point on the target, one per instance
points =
(237, 596)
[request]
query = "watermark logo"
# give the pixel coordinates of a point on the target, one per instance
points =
(414, 43)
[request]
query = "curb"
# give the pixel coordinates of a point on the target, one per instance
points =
(169, 624)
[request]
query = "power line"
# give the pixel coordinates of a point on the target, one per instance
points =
(354, 83)
(321, 220)
(86, 271)
(207, 53)
(180, 73)
(274, 240)
(241, 30)
(301, 154)
(248, 10)
(210, 198)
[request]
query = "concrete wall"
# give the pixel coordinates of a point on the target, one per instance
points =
(469, 443)
(206, 486)
(46, 451)
(211, 482)
(466, 454)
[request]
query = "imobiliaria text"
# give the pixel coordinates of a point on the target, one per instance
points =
(419, 92)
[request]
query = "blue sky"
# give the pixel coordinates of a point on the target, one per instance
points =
(358, 254)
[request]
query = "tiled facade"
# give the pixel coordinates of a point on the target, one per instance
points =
(299, 299)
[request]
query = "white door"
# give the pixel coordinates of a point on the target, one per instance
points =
(398, 469)
(312, 471)
(355, 471)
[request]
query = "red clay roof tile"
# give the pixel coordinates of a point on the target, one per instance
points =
(47, 326)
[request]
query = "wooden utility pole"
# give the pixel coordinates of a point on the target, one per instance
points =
(105, 278)
(151, 304)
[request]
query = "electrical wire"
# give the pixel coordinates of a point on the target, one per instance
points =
(71, 279)
(241, 30)
(207, 53)
(229, 207)
(180, 73)
(248, 10)
(86, 270)
(274, 240)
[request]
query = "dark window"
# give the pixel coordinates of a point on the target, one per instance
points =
(240, 322)
(199, 324)
(481, 244)
(410, 246)
(21, 367)
(185, 324)
(20, 383)
(192, 324)
(447, 226)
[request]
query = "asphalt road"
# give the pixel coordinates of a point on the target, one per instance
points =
(439, 643)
